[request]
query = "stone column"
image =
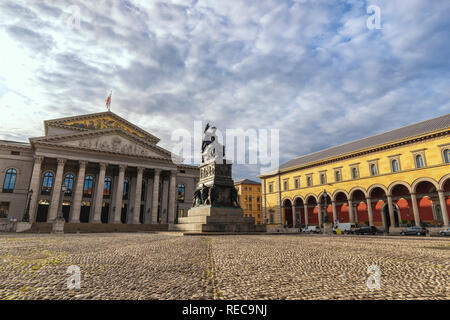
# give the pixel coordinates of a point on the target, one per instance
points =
(306, 214)
(172, 196)
(56, 193)
(350, 211)
(99, 194)
(155, 196)
(138, 196)
(391, 211)
(35, 186)
(78, 195)
(415, 209)
(119, 194)
(443, 207)
(333, 206)
(293, 216)
(370, 211)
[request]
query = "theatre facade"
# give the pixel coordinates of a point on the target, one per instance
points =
(391, 180)
(94, 168)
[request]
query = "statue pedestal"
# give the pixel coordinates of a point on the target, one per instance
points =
(327, 228)
(216, 219)
(58, 225)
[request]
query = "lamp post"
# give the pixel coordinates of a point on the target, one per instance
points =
(325, 215)
(61, 200)
(26, 215)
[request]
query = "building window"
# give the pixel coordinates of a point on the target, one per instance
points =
(395, 166)
(10, 180)
(126, 187)
(68, 183)
(419, 161)
(373, 169)
(4, 209)
(47, 183)
(323, 178)
(270, 187)
(286, 185)
(258, 199)
(107, 187)
(250, 207)
(181, 192)
(297, 183)
(88, 186)
(355, 173)
(447, 155)
(309, 181)
(337, 176)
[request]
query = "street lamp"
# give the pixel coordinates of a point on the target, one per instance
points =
(61, 200)
(325, 215)
(26, 215)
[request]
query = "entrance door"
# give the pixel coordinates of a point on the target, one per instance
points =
(141, 215)
(42, 213)
(105, 212)
(123, 215)
(85, 212)
(66, 212)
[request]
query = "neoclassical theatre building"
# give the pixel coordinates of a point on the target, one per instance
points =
(390, 180)
(106, 170)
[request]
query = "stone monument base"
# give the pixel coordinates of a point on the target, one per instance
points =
(216, 219)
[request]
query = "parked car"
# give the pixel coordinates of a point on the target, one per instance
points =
(311, 229)
(445, 232)
(420, 231)
(366, 230)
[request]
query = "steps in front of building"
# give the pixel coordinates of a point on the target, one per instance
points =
(43, 227)
(218, 227)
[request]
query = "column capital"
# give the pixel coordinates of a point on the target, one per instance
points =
(103, 165)
(122, 167)
(157, 171)
(389, 196)
(440, 191)
(368, 198)
(38, 159)
(61, 161)
(140, 170)
(82, 163)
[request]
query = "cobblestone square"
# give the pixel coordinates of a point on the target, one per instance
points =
(171, 266)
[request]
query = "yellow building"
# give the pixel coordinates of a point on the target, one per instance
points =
(249, 193)
(391, 180)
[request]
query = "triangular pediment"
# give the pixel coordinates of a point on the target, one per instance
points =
(99, 121)
(115, 141)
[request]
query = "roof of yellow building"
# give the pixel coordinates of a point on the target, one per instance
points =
(416, 129)
(246, 181)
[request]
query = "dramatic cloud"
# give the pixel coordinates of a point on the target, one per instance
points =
(310, 68)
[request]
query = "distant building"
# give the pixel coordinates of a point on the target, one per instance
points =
(250, 199)
(112, 171)
(393, 179)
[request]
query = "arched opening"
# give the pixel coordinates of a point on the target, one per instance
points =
(341, 207)
(402, 199)
(360, 212)
(378, 200)
(299, 212)
(446, 190)
(430, 211)
(287, 213)
(312, 211)
(10, 181)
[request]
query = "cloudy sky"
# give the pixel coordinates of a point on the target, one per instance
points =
(310, 68)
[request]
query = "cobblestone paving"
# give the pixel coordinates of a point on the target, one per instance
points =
(169, 266)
